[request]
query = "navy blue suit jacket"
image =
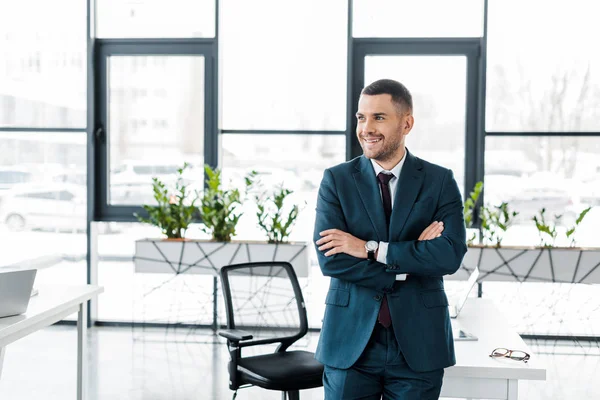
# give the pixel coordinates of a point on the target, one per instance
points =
(349, 199)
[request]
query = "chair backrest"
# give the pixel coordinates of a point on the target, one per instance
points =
(264, 299)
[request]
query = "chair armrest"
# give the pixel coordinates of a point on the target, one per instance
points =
(235, 335)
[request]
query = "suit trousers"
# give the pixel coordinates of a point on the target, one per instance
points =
(380, 371)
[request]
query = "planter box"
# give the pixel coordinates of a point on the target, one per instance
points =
(205, 257)
(532, 264)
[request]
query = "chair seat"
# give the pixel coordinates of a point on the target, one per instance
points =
(290, 370)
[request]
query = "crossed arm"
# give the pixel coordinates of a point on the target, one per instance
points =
(438, 250)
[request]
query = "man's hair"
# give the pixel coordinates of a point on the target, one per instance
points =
(400, 94)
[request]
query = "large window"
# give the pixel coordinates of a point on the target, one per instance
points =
(543, 73)
(156, 123)
(430, 18)
(283, 64)
(43, 64)
(266, 87)
(43, 145)
(156, 19)
(43, 204)
(559, 174)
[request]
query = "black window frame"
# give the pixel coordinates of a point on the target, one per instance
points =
(471, 48)
(98, 166)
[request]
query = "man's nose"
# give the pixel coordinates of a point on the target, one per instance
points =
(368, 127)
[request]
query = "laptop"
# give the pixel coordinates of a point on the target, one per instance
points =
(463, 295)
(456, 307)
(15, 291)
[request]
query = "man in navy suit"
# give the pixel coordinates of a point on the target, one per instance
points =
(389, 226)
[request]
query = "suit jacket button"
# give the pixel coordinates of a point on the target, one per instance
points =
(378, 297)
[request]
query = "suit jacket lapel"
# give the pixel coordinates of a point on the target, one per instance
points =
(409, 186)
(368, 189)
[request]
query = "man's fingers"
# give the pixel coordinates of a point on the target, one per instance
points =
(432, 228)
(328, 245)
(435, 234)
(321, 241)
(326, 239)
(437, 230)
(332, 252)
(432, 231)
(427, 232)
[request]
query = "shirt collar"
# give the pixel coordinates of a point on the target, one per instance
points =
(396, 170)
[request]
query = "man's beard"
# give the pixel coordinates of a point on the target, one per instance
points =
(386, 153)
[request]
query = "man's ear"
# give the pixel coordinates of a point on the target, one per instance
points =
(408, 123)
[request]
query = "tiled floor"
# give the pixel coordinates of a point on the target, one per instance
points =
(131, 364)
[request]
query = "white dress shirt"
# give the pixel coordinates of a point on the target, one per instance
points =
(383, 246)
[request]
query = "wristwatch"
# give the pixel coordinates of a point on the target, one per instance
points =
(371, 246)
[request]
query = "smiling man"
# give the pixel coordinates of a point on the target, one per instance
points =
(389, 226)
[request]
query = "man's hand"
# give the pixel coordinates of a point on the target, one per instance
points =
(432, 231)
(337, 241)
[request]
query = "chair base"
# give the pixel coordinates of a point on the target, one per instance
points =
(290, 395)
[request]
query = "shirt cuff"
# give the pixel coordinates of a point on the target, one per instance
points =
(401, 277)
(382, 252)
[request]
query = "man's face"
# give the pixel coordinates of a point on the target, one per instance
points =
(381, 126)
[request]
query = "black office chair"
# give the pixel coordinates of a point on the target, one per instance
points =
(265, 300)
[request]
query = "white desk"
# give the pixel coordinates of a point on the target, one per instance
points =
(52, 304)
(476, 375)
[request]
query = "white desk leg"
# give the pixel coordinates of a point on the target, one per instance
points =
(513, 389)
(82, 351)
(2, 352)
(93, 238)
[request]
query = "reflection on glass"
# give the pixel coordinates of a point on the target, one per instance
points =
(438, 87)
(284, 64)
(402, 18)
(560, 174)
(148, 18)
(539, 78)
(156, 123)
(43, 64)
(43, 204)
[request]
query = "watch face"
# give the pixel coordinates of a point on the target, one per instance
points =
(371, 245)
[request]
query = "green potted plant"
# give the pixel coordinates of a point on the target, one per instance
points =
(495, 221)
(546, 229)
(175, 209)
(545, 262)
(272, 219)
(468, 212)
(571, 231)
(219, 207)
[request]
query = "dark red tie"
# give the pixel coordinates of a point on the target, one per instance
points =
(384, 182)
